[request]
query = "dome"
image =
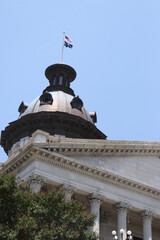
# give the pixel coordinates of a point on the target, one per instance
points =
(57, 111)
(61, 102)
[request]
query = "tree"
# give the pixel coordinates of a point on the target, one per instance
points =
(41, 216)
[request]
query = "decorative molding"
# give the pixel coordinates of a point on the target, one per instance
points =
(33, 153)
(103, 176)
(103, 151)
(83, 147)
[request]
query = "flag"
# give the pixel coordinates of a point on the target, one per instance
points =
(67, 39)
(66, 44)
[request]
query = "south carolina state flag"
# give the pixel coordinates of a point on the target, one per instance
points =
(66, 44)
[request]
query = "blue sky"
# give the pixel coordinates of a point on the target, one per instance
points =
(116, 55)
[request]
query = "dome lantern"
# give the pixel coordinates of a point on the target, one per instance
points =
(60, 76)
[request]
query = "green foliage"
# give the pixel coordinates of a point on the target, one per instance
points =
(42, 216)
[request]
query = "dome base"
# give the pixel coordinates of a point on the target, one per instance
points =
(51, 122)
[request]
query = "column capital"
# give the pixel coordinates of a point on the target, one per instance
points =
(147, 214)
(35, 182)
(122, 206)
(96, 196)
(19, 181)
(35, 178)
(68, 191)
(68, 188)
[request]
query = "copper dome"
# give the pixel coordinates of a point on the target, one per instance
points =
(57, 111)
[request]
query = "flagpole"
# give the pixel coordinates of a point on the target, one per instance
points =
(62, 48)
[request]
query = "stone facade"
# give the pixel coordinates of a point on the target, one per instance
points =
(118, 180)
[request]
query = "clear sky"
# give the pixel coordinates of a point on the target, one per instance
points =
(116, 54)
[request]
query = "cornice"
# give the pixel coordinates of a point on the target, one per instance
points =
(98, 147)
(33, 153)
(104, 149)
(92, 147)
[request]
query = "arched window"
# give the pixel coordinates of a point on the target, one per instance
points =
(46, 98)
(77, 103)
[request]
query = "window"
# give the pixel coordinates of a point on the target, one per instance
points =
(45, 99)
(60, 80)
(93, 116)
(22, 107)
(66, 83)
(77, 103)
(54, 81)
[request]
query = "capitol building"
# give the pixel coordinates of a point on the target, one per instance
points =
(55, 144)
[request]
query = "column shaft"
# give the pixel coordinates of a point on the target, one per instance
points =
(147, 230)
(122, 219)
(122, 223)
(147, 225)
(95, 210)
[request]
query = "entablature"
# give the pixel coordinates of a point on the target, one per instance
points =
(34, 153)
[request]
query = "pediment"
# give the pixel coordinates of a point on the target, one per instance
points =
(35, 152)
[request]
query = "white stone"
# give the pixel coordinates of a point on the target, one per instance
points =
(147, 225)
(95, 210)
(127, 172)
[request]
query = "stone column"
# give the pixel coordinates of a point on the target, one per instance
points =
(95, 210)
(35, 183)
(147, 224)
(68, 191)
(122, 219)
